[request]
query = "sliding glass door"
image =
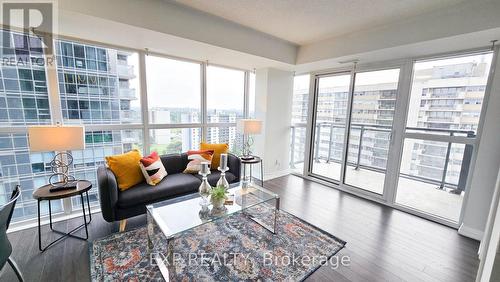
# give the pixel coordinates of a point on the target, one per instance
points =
(370, 129)
(403, 135)
(366, 105)
(330, 124)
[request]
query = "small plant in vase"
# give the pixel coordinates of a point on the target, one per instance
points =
(218, 197)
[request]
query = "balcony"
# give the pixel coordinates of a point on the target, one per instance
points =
(128, 116)
(440, 193)
(125, 71)
(128, 93)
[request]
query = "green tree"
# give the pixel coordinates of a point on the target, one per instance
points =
(174, 147)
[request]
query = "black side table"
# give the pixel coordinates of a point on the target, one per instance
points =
(250, 162)
(43, 194)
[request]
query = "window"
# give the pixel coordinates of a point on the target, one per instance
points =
(226, 134)
(456, 85)
(175, 140)
(300, 98)
(24, 101)
(373, 106)
(23, 88)
(225, 94)
(299, 118)
(174, 91)
(30, 170)
(251, 95)
(97, 85)
(451, 107)
(98, 144)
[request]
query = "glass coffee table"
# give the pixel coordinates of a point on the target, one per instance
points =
(168, 219)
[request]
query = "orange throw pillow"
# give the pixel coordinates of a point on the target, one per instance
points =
(126, 169)
(218, 149)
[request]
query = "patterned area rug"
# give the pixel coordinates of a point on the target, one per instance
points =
(233, 248)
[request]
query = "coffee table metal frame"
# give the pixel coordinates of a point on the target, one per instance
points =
(160, 235)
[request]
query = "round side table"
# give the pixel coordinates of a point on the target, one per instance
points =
(250, 162)
(43, 194)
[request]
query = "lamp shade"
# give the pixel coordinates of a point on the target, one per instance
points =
(56, 138)
(250, 126)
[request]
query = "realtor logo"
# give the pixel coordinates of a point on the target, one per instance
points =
(35, 19)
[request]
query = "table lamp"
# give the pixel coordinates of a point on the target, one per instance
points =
(249, 127)
(60, 139)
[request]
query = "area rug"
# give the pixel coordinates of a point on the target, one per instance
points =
(233, 248)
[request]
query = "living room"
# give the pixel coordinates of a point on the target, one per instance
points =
(232, 140)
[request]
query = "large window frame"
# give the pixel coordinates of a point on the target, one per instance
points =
(203, 124)
(144, 125)
(398, 130)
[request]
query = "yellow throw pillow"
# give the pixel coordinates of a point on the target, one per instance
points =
(126, 169)
(218, 149)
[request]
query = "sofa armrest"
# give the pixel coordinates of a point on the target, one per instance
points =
(108, 192)
(234, 164)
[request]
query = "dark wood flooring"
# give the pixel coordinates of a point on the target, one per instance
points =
(383, 244)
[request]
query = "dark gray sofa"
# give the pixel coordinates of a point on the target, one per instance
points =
(119, 205)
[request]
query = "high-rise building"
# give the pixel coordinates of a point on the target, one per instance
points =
(96, 87)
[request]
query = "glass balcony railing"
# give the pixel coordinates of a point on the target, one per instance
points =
(369, 151)
(125, 71)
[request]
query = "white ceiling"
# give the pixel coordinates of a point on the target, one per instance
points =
(306, 21)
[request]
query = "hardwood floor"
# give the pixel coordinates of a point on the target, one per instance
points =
(383, 244)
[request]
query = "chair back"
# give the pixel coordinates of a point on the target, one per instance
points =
(7, 210)
(5, 217)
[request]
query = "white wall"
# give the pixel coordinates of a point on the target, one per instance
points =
(273, 105)
(463, 18)
(129, 36)
(485, 171)
(171, 18)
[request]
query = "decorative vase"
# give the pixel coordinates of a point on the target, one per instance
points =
(223, 168)
(205, 188)
(218, 204)
(222, 180)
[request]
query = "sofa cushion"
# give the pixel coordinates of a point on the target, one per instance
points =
(174, 163)
(218, 149)
(214, 176)
(126, 169)
(172, 185)
(196, 158)
(152, 168)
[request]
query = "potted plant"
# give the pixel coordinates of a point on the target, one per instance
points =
(218, 197)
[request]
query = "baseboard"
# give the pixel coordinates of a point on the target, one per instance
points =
(276, 174)
(473, 233)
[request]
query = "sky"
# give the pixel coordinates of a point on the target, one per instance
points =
(174, 83)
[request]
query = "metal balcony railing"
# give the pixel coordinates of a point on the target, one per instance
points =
(363, 129)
